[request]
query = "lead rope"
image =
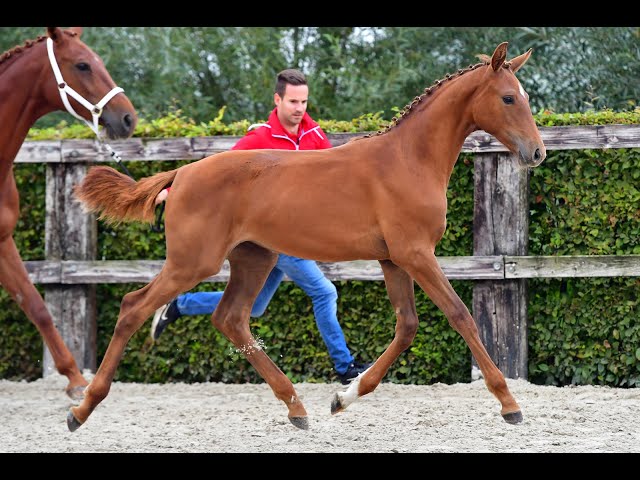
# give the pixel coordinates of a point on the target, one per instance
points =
(116, 157)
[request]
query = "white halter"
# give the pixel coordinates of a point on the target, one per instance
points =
(96, 110)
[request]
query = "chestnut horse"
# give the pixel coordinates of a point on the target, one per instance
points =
(380, 197)
(35, 79)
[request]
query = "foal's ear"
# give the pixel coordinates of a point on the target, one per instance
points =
(520, 60)
(499, 56)
(54, 33)
(76, 30)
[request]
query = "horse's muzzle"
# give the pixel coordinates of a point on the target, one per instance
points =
(532, 157)
(118, 124)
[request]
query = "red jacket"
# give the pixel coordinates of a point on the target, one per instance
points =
(273, 135)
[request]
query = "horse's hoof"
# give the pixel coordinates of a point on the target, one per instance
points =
(76, 393)
(72, 422)
(513, 417)
(336, 405)
(301, 422)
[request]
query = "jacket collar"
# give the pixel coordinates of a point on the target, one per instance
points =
(277, 129)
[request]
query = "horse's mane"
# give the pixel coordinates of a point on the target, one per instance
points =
(485, 60)
(28, 44)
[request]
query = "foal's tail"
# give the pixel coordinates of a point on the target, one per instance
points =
(119, 198)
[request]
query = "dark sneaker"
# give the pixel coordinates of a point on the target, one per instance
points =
(355, 369)
(164, 316)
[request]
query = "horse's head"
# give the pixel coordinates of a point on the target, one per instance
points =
(501, 108)
(92, 93)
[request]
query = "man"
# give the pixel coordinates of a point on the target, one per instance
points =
(289, 127)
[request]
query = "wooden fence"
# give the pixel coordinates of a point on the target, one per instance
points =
(499, 266)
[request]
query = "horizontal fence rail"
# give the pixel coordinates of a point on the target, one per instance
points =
(196, 148)
(499, 266)
(132, 271)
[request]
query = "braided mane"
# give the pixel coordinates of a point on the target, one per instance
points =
(28, 44)
(428, 91)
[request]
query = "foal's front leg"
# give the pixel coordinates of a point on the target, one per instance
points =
(427, 272)
(400, 290)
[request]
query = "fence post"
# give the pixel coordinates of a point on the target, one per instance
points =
(70, 234)
(501, 227)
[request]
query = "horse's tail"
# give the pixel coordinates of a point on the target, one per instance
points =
(119, 198)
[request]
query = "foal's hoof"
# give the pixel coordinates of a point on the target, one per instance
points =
(513, 417)
(76, 393)
(336, 405)
(72, 422)
(301, 422)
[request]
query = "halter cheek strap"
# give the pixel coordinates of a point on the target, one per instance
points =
(65, 89)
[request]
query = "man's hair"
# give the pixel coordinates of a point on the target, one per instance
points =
(290, 76)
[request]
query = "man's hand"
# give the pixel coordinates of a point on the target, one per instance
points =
(162, 196)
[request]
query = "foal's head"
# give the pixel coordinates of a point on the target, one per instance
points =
(501, 108)
(85, 73)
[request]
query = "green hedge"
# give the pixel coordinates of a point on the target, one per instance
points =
(581, 330)
(585, 331)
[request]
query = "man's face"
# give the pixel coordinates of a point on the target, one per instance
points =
(292, 105)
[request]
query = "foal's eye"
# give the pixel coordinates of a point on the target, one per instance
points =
(508, 99)
(83, 67)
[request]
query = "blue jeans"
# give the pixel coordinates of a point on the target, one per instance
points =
(308, 276)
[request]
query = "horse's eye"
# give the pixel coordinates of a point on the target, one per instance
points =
(508, 99)
(83, 67)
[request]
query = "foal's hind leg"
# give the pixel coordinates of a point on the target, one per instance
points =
(136, 307)
(400, 289)
(250, 265)
(432, 280)
(14, 277)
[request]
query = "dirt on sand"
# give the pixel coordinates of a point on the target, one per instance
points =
(216, 417)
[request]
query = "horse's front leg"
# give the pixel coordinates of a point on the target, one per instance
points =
(424, 268)
(400, 290)
(14, 277)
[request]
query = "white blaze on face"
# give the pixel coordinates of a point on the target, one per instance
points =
(522, 92)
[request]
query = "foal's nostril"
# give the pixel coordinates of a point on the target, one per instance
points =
(537, 155)
(127, 120)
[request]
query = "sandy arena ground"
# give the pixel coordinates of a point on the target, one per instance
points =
(216, 417)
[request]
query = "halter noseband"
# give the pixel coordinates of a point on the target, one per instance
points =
(65, 89)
